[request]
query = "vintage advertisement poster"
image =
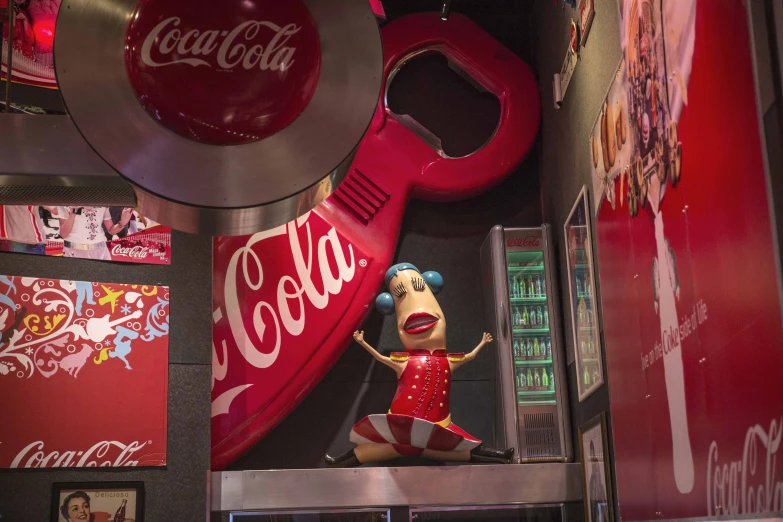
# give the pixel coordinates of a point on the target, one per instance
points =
(83, 373)
(99, 502)
(692, 317)
(32, 58)
(102, 233)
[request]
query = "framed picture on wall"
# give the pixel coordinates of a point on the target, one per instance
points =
(596, 481)
(581, 295)
(101, 349)
(118, 234)
(97, 502)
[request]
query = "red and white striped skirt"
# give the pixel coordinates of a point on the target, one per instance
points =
(410, 435)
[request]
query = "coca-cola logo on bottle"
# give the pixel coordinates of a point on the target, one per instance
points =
(528, 241)
(226, 73)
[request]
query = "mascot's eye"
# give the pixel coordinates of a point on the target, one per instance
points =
(418, 284)
(399, 290)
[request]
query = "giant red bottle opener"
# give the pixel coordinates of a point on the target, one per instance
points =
(287, 300)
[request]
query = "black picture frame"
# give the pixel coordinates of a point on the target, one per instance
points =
(601, 510)
(585, 321)
(94, 487)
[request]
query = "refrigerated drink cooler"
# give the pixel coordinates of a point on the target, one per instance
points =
(520, 299)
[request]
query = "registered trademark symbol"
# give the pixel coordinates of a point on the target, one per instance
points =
(362, 262)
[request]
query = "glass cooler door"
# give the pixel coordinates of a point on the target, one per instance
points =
(584, 310)
(532, 342)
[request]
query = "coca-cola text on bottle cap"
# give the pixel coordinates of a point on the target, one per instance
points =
(227, 73)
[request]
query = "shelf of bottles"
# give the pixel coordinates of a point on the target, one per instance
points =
(529, 308)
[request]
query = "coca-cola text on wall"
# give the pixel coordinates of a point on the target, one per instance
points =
(528, 241)
(223, 74)
(107, 453)
(750, 483)
(96, 351)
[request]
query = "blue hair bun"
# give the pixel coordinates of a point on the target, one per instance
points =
(434, 281)
(399, 267)
(384, 303)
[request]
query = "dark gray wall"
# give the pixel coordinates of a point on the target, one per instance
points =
(442, 237)
(178, 491)
(47, 99)
(565, 155)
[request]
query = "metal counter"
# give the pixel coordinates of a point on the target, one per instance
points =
(390, 487)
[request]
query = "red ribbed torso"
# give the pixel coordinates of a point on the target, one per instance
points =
(424, 388)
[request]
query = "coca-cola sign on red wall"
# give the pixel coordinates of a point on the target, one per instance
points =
(83, 373)
(226, 73)
(691, 310)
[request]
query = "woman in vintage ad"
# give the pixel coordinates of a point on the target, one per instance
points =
(82, 230)
(76, 508)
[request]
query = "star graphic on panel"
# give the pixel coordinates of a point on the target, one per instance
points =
(29, 351)
(125, 309)
(110, 297)
(106, 342)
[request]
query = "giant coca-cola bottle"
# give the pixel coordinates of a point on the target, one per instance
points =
(119, 516)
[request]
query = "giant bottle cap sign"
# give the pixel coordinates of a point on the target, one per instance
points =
(227, 117)
(249, 70)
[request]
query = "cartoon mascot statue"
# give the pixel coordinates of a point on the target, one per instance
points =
(419, 420)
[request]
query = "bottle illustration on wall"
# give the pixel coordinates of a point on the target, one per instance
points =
(119, 516)
(666, 279)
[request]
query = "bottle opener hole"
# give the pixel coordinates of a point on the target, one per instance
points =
(459, 116)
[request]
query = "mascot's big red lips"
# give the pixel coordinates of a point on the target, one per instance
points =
(419, 322)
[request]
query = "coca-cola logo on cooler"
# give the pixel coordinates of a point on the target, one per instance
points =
(528, 241)
(226, 73)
